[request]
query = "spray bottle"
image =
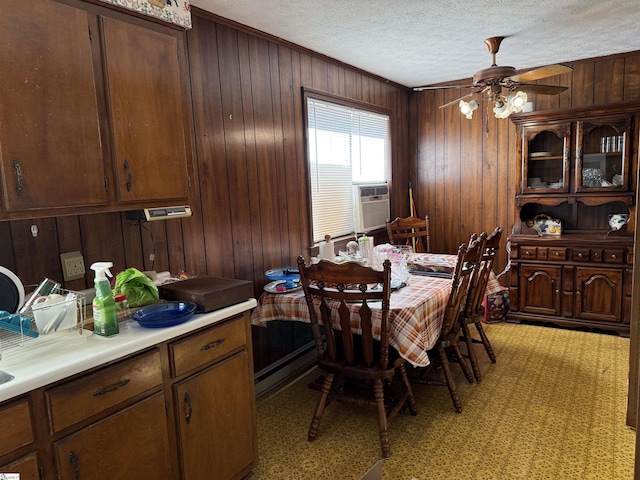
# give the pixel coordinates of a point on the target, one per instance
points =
(105, 316)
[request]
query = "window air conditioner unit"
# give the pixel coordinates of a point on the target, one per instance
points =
(371, 206)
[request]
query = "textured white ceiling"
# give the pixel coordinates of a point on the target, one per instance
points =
(421, 42)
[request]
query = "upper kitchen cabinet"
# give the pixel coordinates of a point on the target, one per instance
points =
(144, 81)
(50, 145)
(94, 111)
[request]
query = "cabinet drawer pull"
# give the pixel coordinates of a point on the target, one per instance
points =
(215, 344)
(187, 402)
(579, 255)
(527, 252)
(557, 254)
(74, 463)
(128, 169)
(16, 165)
(613, 255)
(111, 388)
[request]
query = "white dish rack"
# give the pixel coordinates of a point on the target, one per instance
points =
(41, 315)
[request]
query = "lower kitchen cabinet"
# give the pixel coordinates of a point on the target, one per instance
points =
(16, 435)
(27, 467)
(207, 437)
(182, 409)
(132, 443)
(215, 402)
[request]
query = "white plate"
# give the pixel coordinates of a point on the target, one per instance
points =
(15, 289)
(540, 154)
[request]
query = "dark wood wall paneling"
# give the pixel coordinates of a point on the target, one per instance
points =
(252, 211)
(249, 135)
(465, 170)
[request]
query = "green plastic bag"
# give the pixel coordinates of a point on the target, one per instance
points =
(138, 288)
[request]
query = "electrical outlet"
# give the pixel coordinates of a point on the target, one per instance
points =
(72, 265)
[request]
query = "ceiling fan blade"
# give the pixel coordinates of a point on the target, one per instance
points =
(538, 89)
(432, 87)
(457, 100)
(542, 72)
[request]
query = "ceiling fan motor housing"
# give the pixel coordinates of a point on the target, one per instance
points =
(493, 74)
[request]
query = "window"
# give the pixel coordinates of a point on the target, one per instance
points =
(348, 144)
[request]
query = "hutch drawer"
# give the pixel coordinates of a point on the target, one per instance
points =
(613, 255)
(529, 252)
(581, 254)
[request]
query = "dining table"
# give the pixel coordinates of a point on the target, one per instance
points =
(416, 307)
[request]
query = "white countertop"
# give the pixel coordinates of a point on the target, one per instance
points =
(49, 358)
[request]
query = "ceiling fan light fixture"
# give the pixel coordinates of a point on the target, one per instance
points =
(517, 101)
(502, 109)
(467, 108)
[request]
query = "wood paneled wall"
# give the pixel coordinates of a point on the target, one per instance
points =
(252, 213)
(249, 131)
(465, 170)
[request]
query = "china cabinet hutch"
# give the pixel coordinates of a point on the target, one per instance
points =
(578, 166)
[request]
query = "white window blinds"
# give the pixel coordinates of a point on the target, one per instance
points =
(346, 145)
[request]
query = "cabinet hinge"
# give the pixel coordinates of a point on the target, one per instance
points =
(90, 33)
(106, 184)
(189, 181)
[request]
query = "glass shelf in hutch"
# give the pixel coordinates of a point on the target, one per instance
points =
(546, 158)
(602, 157)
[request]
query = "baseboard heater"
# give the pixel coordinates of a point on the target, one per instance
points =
(285, 368)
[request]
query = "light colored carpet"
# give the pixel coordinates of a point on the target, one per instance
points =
(553, 407)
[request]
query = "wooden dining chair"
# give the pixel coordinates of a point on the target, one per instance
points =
(410, 231)
(447, 344)
(473, 311)
(339, 298)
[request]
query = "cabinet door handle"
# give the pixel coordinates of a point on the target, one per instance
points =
(128, 169)
(111, 388)
(215, 344)
(187, 402)
(74, 463)
(19, 180)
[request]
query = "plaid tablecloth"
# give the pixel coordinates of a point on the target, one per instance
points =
(415, 316)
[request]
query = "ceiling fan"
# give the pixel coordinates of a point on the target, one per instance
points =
(497, 79)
